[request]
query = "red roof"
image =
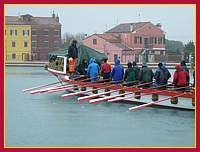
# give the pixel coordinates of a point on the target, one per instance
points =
(128, 27)
(109, 38)
(15, 20)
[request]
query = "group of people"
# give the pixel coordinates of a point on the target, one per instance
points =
(133, 74)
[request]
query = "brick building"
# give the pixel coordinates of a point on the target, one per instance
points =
(31, 38)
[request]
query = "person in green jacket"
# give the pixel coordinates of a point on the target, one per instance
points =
(130, 75)
(146, 75)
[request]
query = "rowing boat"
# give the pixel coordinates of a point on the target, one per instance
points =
(72, 84)
(110, 92)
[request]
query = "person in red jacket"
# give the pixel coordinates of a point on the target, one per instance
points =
(180, 77)
(105, 70)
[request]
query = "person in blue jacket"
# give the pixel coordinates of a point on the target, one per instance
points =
(93, 70)
(117, 72)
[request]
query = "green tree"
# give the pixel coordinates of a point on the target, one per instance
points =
(189, 48)
(174, 47)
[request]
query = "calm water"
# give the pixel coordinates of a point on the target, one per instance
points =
(49, 120)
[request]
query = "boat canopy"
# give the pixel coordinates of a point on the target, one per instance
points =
(84, 52)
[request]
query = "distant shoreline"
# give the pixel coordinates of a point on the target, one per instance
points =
(42, 64)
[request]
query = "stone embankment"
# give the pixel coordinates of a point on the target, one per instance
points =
(43, 63)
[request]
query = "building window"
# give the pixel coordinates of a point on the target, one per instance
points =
(13, 32)
(56, 44)
(46, 32)
(25, 44)
(153, 40)
(46, 44)
(56, 32)
(25, 32)
(34, 32)
(13, 44)
(138, 40)
(34, 44)
(161, 40)
(94, 41)
(13, 56)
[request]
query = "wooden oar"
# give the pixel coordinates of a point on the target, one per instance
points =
(179, 88)
(155, 102)
(83, 84)
(86, 91)
(59, 87)
(103, 93)
(114, 96)
(41, 86)
(135, 96)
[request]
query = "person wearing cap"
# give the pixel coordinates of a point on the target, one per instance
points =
(159, 75)
(146, 75)
(72, 55)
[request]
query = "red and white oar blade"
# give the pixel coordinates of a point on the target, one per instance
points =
(94, 96)
(93, 101)
(41, 86)
(76, 93)
(40, 90)
(154, 102)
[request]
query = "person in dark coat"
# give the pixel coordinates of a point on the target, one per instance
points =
(180, 77)
(159, 75)
(130, 75)
(184, 66)
(146, 75)
(93, 70)
(117, 72)
(82, 67)
(137, 69)
(72, 55)
(167, 74)
(73, 50)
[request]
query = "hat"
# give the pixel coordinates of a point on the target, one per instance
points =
(73, 41)
(144, 64)
(134, 63)
(160, 64)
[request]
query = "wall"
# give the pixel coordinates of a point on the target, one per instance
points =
(22, 53)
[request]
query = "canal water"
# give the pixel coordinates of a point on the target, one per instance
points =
(49, 120)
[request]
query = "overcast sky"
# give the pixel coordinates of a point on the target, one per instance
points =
(178, 21)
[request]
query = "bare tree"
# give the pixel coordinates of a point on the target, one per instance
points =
(67, 37)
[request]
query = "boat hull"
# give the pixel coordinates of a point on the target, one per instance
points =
(184, 102)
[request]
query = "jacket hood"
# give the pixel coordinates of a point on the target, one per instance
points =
(117, 62)
(183, 63)
(92, 60)
(178, 67)
(129, 64)
(164, 64)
